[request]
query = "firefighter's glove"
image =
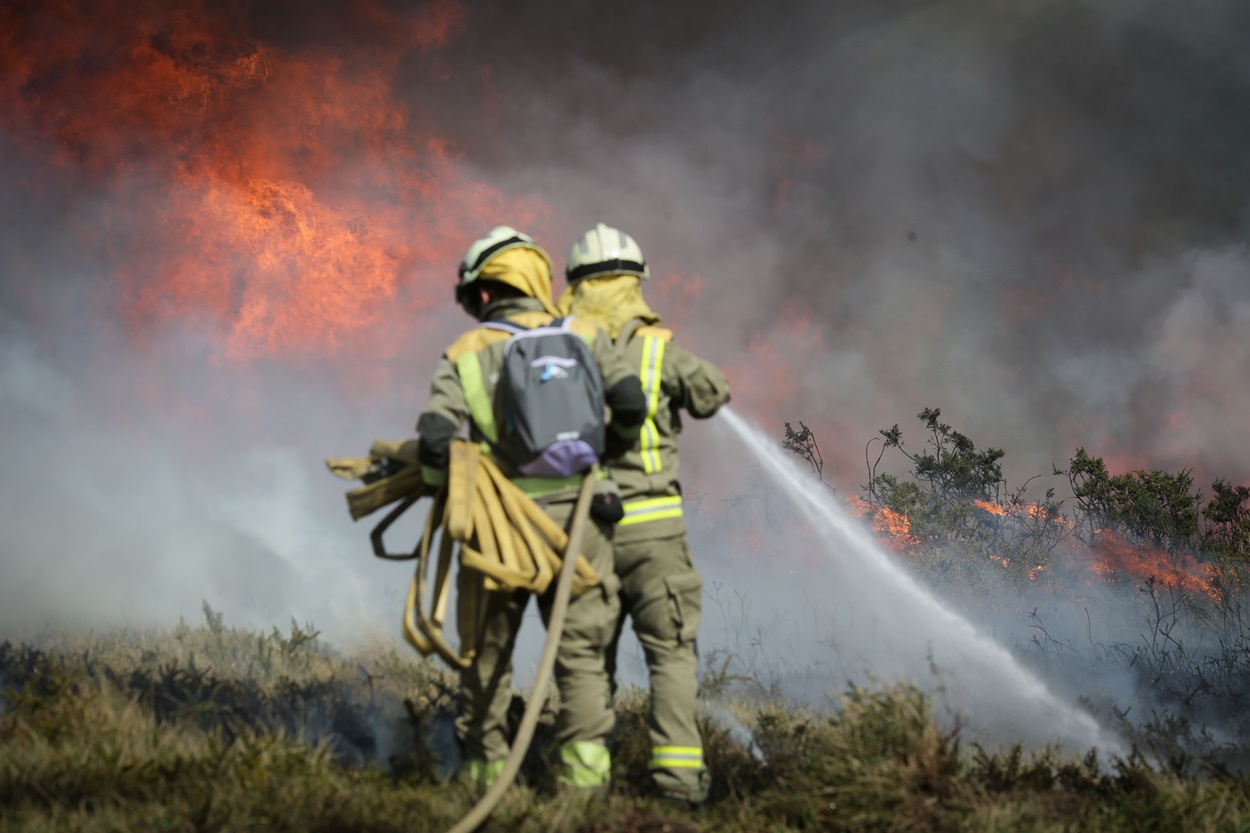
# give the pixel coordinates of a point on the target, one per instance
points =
(615, 445)
(605, 505)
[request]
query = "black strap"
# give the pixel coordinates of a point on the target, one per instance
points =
(490, 250)
(604, 267)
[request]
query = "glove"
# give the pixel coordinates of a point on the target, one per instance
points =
(605, 504)
(615, 445)
(607, 509)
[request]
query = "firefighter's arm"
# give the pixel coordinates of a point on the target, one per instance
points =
(439, 423)
(696, 385)
(622, 389)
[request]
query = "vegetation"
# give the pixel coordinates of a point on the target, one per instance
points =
(1145, 545)
(961, 524)
(215, 728)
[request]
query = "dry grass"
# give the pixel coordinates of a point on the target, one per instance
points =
(214, 728)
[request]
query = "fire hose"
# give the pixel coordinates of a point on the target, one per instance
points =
(507, 538)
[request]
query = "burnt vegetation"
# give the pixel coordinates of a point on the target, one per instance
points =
(218, 728)
(1138, 573)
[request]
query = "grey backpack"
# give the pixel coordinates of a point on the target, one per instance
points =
(552, 396)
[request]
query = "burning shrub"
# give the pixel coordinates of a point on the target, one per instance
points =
(1150, 507)
(954, 513)
(946, 479)
(1173, 624)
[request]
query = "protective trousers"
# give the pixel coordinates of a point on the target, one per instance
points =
(586, 715)
(663, 593)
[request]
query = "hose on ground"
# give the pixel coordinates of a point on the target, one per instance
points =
(538, 695)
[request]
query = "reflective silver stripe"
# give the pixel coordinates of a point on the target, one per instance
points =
(638, 513)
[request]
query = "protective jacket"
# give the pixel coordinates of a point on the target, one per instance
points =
(673, 380)
(465, 386)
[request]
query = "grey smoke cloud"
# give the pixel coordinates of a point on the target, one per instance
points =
(1030, 216)
(985, 208)
(119, 521)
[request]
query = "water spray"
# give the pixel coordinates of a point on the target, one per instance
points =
(1016, 704)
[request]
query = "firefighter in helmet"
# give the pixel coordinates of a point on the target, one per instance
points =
(661, 590)
(506, 277)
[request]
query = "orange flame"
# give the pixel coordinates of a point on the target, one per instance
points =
(991, 507)
(857, 507)
(1117, 558)
(288, 196)
(892, 528)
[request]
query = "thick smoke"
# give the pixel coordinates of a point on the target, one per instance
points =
(1032, 216)
(992, 210)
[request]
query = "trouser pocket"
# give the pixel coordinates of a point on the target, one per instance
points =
(685, 595)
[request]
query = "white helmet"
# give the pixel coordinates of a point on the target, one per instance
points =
(605, 251)
(498, 239)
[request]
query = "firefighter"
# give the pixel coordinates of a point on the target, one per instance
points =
(661, 590)
(507, 277)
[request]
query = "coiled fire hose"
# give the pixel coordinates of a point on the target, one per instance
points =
(538, 695)
(505, 536)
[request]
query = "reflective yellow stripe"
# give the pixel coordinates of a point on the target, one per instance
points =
(585, 764)
(432, 476)
(651, 509)
(652, 363)
(470, 367)
(484, 773)
(676, 757)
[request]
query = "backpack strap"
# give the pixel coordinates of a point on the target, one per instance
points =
(504, 326)
(627, 332)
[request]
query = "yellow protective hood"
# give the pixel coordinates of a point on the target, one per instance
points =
(526, 270)
(611, 302)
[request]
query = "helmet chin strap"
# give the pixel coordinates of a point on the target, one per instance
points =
(467, 299)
